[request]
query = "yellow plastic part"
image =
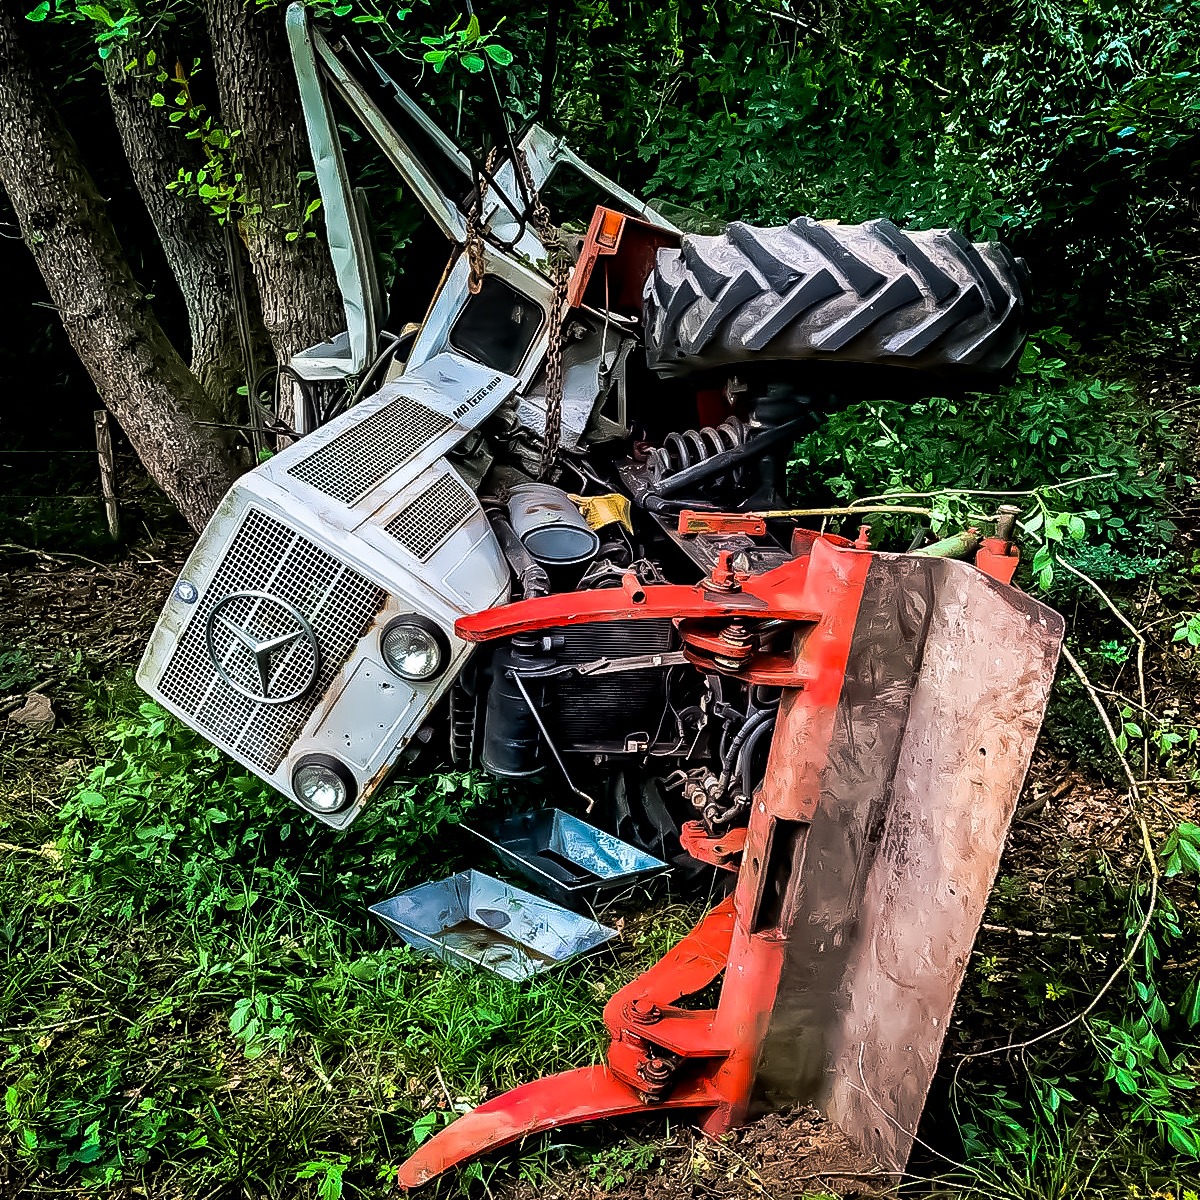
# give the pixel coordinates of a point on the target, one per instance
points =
(599, 511)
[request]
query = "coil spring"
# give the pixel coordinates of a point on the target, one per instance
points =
(692, 446)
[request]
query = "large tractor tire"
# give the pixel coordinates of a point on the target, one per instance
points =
(870, 293)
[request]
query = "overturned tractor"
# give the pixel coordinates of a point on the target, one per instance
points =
(547, 530)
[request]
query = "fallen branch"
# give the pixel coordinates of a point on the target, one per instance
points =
(1039, 933)
(60, 557)
(1049, 487)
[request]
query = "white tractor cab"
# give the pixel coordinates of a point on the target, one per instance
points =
(311, 632)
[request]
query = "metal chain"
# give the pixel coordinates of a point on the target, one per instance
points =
(560, 275)
(474, 245)
(555, 377)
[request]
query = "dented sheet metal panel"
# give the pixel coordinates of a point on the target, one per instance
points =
(944, 694)
(973, 719)
(386, 528)
(471, 918)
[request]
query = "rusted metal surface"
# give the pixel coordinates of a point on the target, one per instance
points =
(845, 775)
(973, 718)
(750, 524)
(627, 247)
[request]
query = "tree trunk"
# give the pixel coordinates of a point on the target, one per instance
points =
(140, 376)
(191, 237)
(257, 86)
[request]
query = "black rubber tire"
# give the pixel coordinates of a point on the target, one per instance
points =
(868, 293)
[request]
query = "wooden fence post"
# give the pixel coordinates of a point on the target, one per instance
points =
(108, 470)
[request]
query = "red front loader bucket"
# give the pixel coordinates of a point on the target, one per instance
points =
(897, 759)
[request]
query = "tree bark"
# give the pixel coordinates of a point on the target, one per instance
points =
(139, 375)
(257, 87)
(191, 237)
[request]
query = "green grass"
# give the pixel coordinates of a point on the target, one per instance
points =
(194, 1001)
(193, 998)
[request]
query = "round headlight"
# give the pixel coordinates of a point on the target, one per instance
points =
(323, 784)
(415, 648)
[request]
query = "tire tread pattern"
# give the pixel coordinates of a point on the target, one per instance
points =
(870, 293)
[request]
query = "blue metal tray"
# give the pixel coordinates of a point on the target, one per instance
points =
(566, 858)
(472, 918)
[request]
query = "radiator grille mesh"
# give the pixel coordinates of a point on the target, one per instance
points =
(602, 710)
(366, 454)
(432, 517)
(267, 556)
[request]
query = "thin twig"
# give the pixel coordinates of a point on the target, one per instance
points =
(80, 979)
(51, 1028)
(754, 1179)
(445, 1090)
(1089, 687)
(908, 1133)
(1124, 700)
(1141, 652)
(786, 18)
(1048, 487)
(844, 511)
(1176, 407)
(1104, 596)
(49, 851)
(59, 556)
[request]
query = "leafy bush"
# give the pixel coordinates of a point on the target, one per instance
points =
(169, 822)
(1091, 451)
(195, 990)
(1070, 129)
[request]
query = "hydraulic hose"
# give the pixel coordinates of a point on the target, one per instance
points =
(745, 758)
(729, 765)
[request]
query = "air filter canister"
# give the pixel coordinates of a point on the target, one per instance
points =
(549, 525)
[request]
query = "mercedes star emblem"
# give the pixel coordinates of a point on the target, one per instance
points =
(231, 637)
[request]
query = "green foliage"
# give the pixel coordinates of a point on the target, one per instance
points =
(194, 995)
(618, 1165)
(1085, 461)
(1154, 1080)
(194, 991)
(1067, 128)
(109, 29)
(328, 1174)
(16, 668)
(1133, 1075)
(213, 833)
(468, 47)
